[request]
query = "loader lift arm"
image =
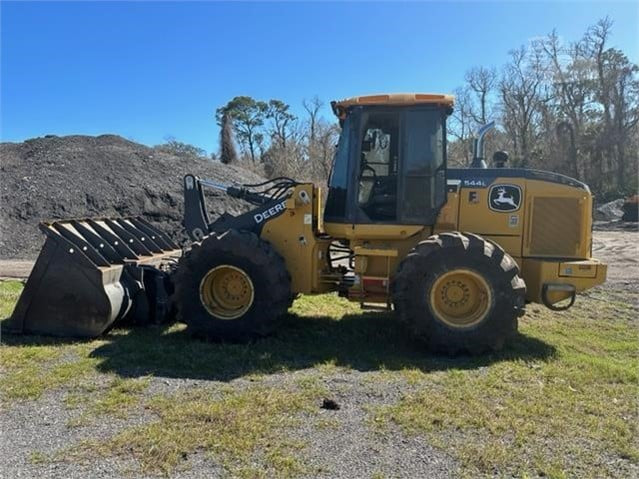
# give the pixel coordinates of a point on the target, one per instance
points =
(267, 196)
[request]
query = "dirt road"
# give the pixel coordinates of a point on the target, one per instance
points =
(15, 268)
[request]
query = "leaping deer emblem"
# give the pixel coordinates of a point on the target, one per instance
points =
(502, 199)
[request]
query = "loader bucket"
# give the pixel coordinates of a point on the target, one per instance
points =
(91, 273)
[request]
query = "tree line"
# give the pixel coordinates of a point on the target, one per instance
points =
(276, 142)
(570, 107)
(566, 106)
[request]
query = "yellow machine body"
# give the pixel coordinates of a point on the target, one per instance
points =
(549, 237)
(297, 235)
(392, 200)
(548, 234)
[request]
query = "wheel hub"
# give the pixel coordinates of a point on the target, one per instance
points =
(455, 293)
(461, 298)
(226, 292)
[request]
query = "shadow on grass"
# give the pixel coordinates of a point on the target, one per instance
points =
(9, 337)
(364, 342)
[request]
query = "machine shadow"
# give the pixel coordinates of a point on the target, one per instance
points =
(10, 337)
(363, 342)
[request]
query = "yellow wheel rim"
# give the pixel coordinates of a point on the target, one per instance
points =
(461, 298)
(226, 292)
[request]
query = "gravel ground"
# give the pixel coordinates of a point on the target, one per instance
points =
(42, 426)
(357, 451)
(351, 450)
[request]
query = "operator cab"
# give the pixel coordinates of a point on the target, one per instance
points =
(390, 163)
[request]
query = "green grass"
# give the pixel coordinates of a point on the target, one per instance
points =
(569, 415)
(560, 400)
(243, 430)
(9, 293)
(120, 396)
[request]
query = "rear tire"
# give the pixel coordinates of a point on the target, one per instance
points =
(459, 292)
(232, 286)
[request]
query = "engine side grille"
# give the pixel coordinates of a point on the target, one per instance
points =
(556, 227)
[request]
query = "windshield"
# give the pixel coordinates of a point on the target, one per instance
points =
(338, 181)
(339, 171)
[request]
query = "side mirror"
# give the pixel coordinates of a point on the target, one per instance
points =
(500, 158)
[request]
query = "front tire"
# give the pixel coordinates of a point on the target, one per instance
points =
(232, 286)
(459, 292)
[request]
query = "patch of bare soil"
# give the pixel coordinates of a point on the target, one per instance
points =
(87, 176)
(15, 268)
(619, 248)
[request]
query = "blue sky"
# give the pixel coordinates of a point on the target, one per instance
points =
(151, 70)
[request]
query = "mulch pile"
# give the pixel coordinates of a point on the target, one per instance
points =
(86, 176)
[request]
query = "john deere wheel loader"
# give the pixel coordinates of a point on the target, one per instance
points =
(455, 252)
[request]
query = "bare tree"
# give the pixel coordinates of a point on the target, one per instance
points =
(596, 39)
(520, 89)
(570, 92)
(312, 107)
(481, 82)
(623, 91)
(326, 135)
(460, 126)
(320, 139)
(614, 91)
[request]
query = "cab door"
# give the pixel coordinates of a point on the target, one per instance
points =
(422, 165)
(378, 167)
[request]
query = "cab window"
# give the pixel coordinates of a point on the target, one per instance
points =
(424, 169)
(378, 166)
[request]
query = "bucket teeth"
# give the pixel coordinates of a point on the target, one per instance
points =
(90, 273)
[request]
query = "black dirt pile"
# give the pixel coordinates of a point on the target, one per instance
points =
(85, 176)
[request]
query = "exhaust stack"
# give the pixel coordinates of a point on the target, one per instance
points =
(478, 155)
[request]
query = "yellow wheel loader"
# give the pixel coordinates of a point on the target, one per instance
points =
(456, 253)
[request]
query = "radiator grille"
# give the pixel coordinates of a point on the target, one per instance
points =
(556, 227)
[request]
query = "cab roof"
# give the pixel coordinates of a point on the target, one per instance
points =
(398, 99)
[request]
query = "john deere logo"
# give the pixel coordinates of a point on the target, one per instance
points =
(504, 197)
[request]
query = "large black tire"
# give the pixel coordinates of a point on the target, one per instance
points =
(418, 273)
(271, 284)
